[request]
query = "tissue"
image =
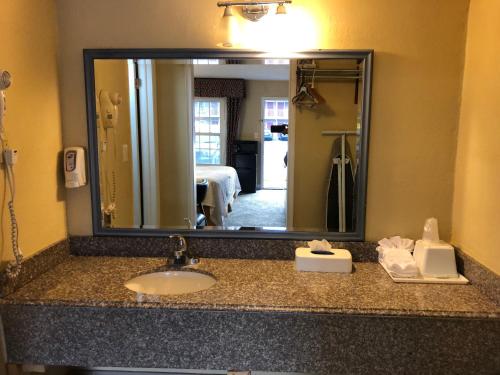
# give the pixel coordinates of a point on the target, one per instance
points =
(431, 230)
(319, 245)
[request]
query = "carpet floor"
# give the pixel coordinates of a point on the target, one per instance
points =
(265, 208)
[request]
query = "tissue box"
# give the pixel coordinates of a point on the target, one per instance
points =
(333, 260)
(435, 259)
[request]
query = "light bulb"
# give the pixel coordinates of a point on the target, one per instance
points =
(228, 11)
(229, 28)
(281, 9)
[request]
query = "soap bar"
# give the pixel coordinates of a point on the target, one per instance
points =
(333, 260)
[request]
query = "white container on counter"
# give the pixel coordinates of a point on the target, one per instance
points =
(435, 259)
(333, 260)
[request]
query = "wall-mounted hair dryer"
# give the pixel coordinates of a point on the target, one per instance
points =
(5, 80)
(108, 104)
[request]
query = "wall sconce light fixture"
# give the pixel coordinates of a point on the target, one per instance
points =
(253, 10)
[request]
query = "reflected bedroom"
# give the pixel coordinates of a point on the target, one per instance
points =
(208, 143)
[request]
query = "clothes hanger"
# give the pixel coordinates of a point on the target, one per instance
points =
(304, 98)
(308, 96)
(303, 94)
(313, 92)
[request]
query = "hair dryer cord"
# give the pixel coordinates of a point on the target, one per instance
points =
(14, 267)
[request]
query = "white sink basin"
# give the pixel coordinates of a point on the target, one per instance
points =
(170, 282)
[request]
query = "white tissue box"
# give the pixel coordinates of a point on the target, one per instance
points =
(333, 260)
(435, 259)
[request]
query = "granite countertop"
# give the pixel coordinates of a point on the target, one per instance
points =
(253, 285)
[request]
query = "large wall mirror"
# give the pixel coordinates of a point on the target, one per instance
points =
(228, 143)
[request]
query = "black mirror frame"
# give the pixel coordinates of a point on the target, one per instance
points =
(89, 55)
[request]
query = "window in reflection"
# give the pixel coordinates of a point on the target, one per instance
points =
(209, 131)
(206, 61)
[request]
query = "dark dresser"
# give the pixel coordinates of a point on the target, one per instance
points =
(245, 163)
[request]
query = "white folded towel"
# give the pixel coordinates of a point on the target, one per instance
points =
(395, 254)
(396, 242)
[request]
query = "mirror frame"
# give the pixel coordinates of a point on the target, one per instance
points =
(89, 55)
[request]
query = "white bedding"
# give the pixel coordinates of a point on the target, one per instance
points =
(223, 187)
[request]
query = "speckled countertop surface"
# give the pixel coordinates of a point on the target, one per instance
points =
(253, 285)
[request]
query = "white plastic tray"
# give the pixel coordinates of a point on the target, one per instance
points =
(426, 280)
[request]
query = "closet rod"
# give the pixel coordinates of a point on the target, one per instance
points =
(311, 70)
(340, 132)
(332, 78)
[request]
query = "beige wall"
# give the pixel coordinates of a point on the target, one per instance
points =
(476, 204)
(112, 76)
(251, 116)
(174, 87)
(28, 51)
(419, 51)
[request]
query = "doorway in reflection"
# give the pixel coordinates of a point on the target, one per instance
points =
(275, 150)
(236, 104)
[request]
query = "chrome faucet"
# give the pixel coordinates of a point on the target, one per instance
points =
(182, 257)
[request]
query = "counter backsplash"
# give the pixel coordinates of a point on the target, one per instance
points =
(207, 247)
(484, 279)
(34, 266)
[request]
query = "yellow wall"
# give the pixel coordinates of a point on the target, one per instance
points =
(28, 51)
(416, 87)
(476, 203)
(112, 76)
(173, 89)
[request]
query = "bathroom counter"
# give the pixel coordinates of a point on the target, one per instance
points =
(260, 315)
(253, 285)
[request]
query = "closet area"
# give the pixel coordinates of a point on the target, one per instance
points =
(328, 107)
